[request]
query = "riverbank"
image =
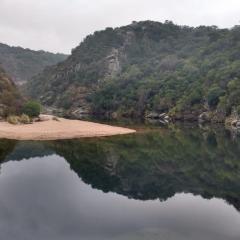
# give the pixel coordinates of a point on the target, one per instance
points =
(60, 129)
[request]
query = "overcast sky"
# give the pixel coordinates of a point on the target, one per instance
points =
(60, 25)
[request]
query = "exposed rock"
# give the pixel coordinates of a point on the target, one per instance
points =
(162, 117)
(212, 116)
(113, 63)
(114, 115)
(53, 111)
(204, 117)
(186, 115)
(44, 118)
(218, 117)
(54, 118)
(78, 113)
(235, 123)
(152, 115)
(35, 119)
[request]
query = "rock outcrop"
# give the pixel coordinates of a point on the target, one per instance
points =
(161, 117)
(204, 117)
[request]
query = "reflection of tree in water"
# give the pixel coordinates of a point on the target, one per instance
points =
(29, 149)
(156, 164)
(6, 147)
(159, 164)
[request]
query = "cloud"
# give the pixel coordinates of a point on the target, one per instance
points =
(60, 25)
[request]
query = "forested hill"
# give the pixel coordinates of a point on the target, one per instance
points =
(22, 64)
(10, 99)
(148, 66)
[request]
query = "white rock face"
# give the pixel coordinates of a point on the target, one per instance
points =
(113, 63)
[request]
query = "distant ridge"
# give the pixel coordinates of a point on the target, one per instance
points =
(22, 64)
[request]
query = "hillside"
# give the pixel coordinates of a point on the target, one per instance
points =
(10, 98)
(22, 64)
(145, 67)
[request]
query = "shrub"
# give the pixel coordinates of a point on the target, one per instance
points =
(13, 119)
(224, 106)
(25, 119)
(238, 110)
(32, 109)
(213, 96)
(195, 97)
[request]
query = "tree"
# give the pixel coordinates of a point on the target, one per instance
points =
(32, 109)
(213, 96)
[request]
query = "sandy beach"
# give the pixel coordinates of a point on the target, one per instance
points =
(62, 129)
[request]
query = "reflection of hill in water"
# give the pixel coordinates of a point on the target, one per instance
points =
(28, 150)
(6, 148)
(158, 164)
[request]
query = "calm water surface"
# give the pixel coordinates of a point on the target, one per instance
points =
(160, 184)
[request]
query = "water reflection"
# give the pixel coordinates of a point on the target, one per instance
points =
(183, 167)
(159, 164)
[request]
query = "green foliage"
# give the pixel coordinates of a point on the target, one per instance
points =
(22, 64)
(6, 147)
(233, 89)
(213, 96)
(10, 99)
(32, 109)
(195, 97)
(238, 110)
(147, 66)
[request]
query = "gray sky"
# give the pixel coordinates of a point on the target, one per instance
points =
(60, 25)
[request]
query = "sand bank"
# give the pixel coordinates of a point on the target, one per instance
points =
(62, 129)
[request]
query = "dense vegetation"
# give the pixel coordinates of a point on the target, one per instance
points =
(22, 64)
(10, 99)
(148, 66)
(31, 109)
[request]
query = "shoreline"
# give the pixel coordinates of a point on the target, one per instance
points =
(59, 130)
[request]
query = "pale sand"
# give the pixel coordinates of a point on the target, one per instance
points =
(62, 129)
